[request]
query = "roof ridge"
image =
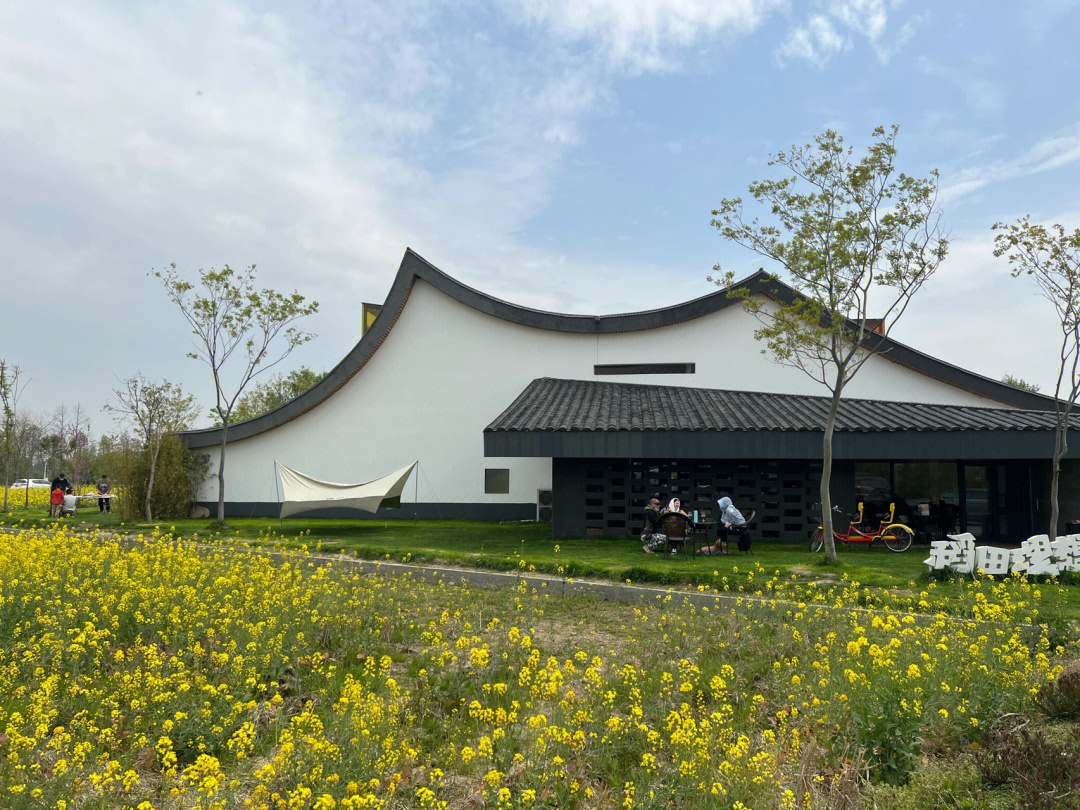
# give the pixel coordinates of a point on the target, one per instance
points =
(792, 395)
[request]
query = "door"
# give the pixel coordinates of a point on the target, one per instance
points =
(985, 507)
(975, 505)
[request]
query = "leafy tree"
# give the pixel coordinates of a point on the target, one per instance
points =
(154, 410)
(1017, 382)
(11, 384)
(851, 234)
(275, 392)
(1050, 256)
(231, 318)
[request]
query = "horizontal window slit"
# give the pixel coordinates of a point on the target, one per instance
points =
(644, 368)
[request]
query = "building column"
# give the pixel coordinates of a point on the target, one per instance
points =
(842, 487)
(567, 498)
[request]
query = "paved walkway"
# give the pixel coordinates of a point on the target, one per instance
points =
(561, 586)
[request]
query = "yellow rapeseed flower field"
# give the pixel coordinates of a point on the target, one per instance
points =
(38, 498)
(154, 673)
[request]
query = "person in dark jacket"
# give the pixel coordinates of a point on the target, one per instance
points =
(61, 483)
(652, 537)
(104, 488)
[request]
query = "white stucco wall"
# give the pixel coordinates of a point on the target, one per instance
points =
(445, 371)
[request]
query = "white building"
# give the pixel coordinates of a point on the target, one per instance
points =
(442, 361)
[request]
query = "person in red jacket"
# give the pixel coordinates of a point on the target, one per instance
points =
(56, 500)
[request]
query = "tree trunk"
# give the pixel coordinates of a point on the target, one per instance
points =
(221, 474)
(150, 483)
(1060, 448)
(826, 479)
(26, 503)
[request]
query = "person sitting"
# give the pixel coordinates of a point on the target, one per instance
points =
(652, 536)
(730, 520)
(69, 505)
(675, 505)
(676, 523)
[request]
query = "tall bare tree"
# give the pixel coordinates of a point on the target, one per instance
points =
(856, 239)
(77, 443)
(1050, 256)
(11, 384)
(230, 318)
(154, 410)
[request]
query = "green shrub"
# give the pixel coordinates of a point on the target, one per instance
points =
(177, 477)
(889, 732)
(941, 785)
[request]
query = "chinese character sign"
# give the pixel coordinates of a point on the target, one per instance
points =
(1037, 556)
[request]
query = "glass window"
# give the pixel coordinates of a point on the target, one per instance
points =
(928, 495)
(644, 368)
(496, 481)
(873, 487)
(977, 495)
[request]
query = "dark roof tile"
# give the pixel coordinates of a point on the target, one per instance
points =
(549, 404)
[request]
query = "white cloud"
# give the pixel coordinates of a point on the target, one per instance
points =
(827, 31)
(317, 148)
(868, 17)
(1052, 152)
(815, 42)
(643, 35)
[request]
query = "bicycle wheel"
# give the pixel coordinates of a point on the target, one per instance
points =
(897, 537)
(817, 540)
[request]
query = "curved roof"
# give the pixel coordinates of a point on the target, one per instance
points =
(414, 267)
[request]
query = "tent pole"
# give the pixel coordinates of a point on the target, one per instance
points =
(277, 489)
(434, 497)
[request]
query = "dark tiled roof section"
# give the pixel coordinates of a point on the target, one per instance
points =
(549, 404)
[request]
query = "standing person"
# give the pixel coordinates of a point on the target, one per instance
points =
(651, 535)
(104, 488)
(56, 498)
(61, 483)
(731, 520)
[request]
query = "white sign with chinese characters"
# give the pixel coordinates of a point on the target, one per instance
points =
(1037, 556)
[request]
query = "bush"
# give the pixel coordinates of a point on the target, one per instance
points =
(1044, 770)
(177, 477)
(1061, 697)
(941, 785)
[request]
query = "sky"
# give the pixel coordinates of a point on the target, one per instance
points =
(562, 154)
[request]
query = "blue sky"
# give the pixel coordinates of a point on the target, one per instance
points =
(563, 154)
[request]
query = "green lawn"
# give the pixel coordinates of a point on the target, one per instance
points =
(529, 546)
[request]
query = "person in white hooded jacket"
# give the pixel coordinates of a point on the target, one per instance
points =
(730, 520)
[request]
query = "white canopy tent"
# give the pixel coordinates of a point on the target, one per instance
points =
(301, 493)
